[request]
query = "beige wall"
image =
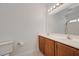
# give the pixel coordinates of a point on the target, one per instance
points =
(22, 23)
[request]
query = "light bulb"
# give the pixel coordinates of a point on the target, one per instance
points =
(54, 6)
(48, 10)
(51, 8)
(78, 20)
(58, 4)
(71, 21)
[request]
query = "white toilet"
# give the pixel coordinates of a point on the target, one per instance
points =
(6, 48)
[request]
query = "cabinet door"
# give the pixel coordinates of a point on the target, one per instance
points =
(64, 50)
(76, 52)
(49, 47)
(42, 44)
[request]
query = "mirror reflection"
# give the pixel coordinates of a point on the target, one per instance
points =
(65, 20)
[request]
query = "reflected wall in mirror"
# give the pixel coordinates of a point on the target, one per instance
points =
(73, 27)
(73, 21)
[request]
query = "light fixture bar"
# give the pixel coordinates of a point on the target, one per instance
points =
(54, 7)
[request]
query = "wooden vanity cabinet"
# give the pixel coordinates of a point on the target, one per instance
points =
(46, 46)
(63, 50)
(76, 52)
(42, 44)
(53, 48)
(49, 47)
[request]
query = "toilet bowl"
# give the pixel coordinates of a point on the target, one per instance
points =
(6, 48)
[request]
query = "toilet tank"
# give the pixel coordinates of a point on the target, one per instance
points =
(6, 47)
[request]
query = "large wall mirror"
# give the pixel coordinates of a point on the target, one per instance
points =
(66, 21)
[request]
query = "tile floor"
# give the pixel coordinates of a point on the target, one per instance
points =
(37, 53)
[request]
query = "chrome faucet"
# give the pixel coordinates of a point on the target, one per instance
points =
(66, 27)
(66, 30)
(68, 37)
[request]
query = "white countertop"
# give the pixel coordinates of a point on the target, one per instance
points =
(63, 39)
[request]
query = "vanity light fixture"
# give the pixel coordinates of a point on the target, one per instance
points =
(75, 20)
(48, 10)
(51, 8)
(54, 7)
(78, 20)
(58, 4)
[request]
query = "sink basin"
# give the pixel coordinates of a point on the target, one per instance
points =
(64, 37)
(75, 40)
(58, 36)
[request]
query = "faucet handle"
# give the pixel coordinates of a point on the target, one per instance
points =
(68, 37)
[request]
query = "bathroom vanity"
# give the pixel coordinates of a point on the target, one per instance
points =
(51, 45)
(62, 20)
